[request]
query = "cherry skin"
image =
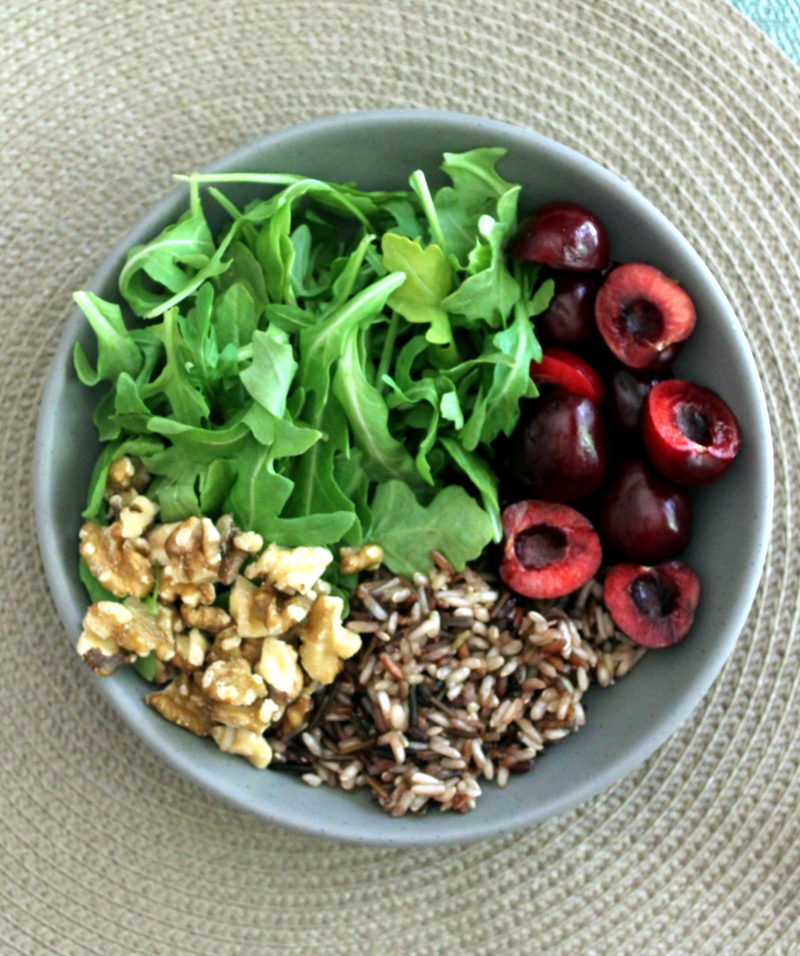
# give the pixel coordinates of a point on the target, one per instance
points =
(570, 372)
(641, 313)
(559, 451)
(644, 518)
(568, 322)
(562, 235)
(654, 606)
(690, 433)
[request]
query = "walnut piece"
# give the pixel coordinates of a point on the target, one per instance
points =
(291, 570)
(211, 619)
(193, 554)
(232, 682)
(295, 715)
(365, 558)
(110, 627)
(135, 518)
(118, 564)
(183, 703)
(256, 717)
(190, 650)
(280, 670)
(124, 474)
(326, 642)
(260, 612)
(237, 740)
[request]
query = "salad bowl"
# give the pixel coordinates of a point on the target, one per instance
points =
(626, 723)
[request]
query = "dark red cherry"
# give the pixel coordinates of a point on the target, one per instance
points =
(549, 549)
(570, 372)
(562, 235)
(559, 451)
(690, 433)
(568, 322)
(641, 314)
(644, 518)
(654, 606)
(627, 391)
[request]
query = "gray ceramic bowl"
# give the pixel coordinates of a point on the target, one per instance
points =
(625, 723)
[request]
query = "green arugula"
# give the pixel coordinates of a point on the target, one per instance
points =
(329, 365)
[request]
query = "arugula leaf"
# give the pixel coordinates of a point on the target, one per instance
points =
(490, 291)
(117, 351)
(368, 417)
(482, 477)
(453, 523)
(428, 279)
(186, 401)
(269, 378)
(510, 383)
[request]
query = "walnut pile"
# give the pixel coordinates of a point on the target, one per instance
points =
(240, 635)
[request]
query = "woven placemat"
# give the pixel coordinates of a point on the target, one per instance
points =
(104, 849)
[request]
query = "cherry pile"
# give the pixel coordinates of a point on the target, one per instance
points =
(602, 460)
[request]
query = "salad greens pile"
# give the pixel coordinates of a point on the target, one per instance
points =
(332, 366)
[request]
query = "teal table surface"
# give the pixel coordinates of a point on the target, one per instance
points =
(779, 19)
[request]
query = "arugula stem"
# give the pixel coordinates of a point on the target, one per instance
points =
(274, 179)
(419, 184)
(245, 353)
(388, 350)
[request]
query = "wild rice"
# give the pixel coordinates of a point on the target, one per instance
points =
(458, 682)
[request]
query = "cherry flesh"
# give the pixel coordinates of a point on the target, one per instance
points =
(568, 322)
(654, 606)
(559, 450)
(644, 518)
(690, 433)
(570, 372)
(641, 314)
(562, 235)
(549, 549)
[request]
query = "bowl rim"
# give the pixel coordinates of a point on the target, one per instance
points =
(524, 816)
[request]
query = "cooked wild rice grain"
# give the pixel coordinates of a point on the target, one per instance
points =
(456, 681)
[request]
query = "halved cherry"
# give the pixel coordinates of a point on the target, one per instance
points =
(641, 314)
(562, 235)
(570, 372)
(690, 434)
(654, 606)
(549, 549)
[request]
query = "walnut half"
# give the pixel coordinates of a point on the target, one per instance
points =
(117, 563)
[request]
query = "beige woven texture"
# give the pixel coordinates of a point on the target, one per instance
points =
(105, 850)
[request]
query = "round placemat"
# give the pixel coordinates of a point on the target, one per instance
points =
(104, 849)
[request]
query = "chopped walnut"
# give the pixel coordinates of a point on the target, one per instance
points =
(229, 645)
(237, 740)
(135, 518)
(124, 474)
(295, 715)
(256, 717)
(291, 570)
(157, 541)
(190, 650)
(193, 554)
(211, 619)
(326, 642)
(366, 558)
(233, 682)
(118, 564)
(109, 626)
(248, 541)
(100, 651)
(183, 703)
(260, 612)
(280, 670)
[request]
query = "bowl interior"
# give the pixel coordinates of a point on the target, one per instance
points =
(624, 723)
